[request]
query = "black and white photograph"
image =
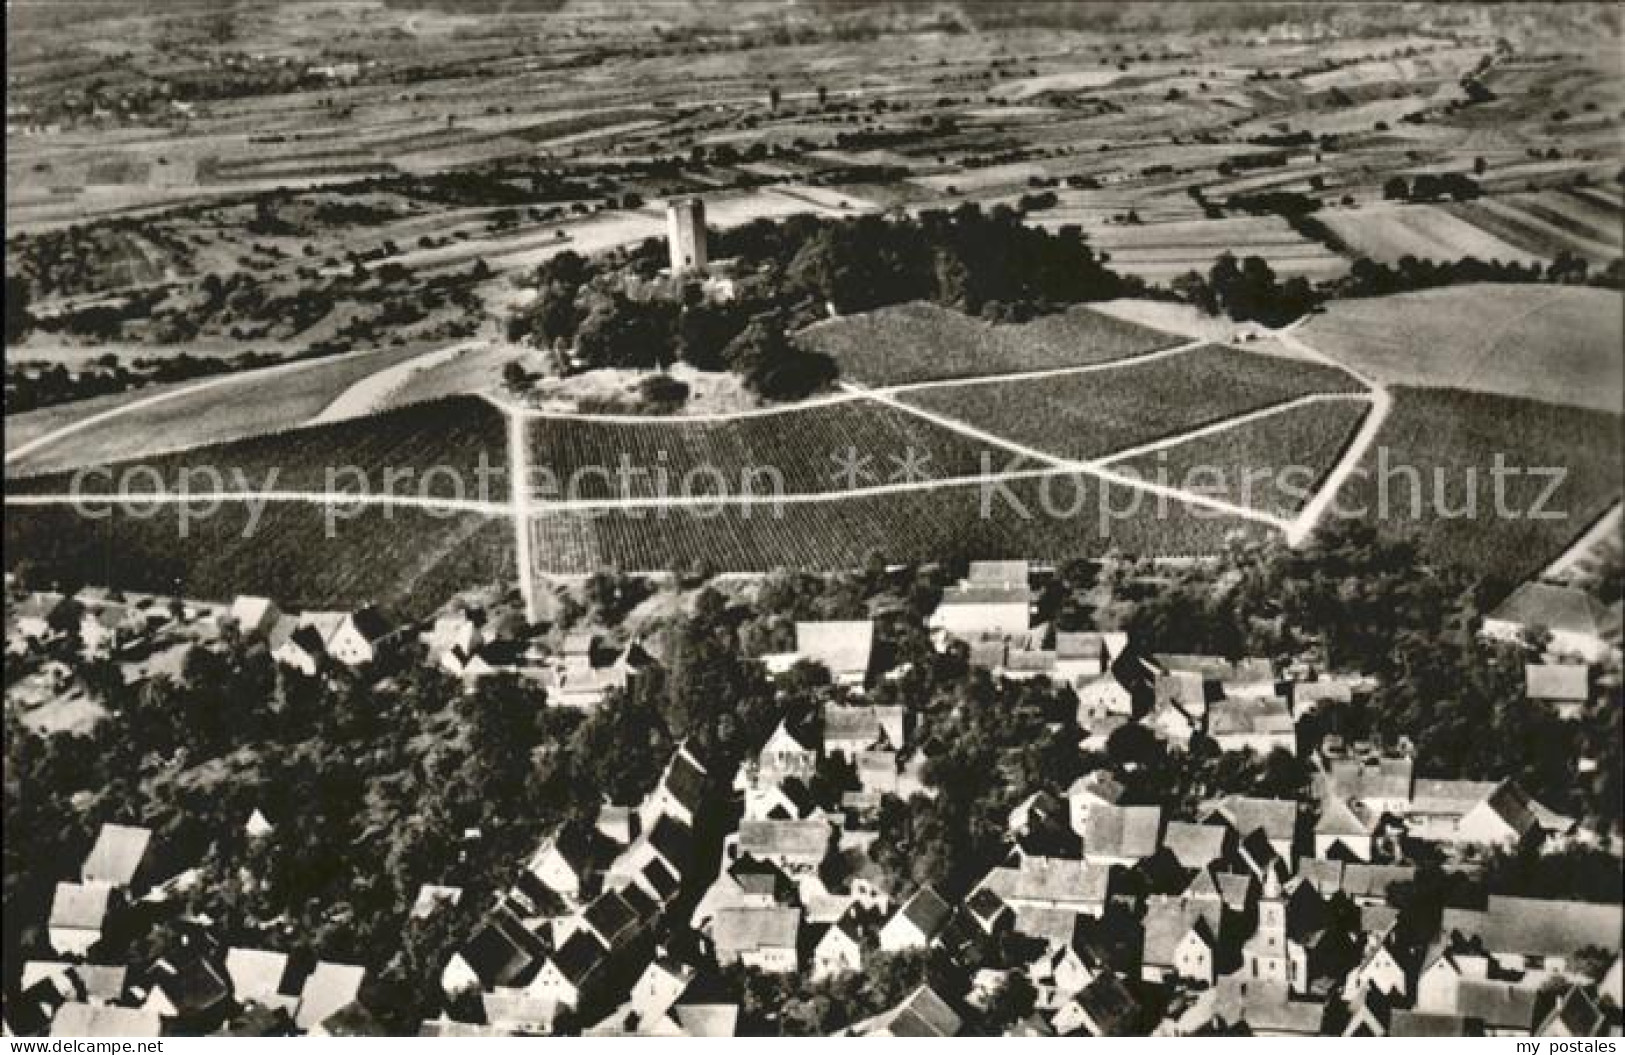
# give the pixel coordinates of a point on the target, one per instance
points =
(813, 518)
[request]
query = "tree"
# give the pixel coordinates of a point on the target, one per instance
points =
(1396, 189)
(773, 366)
(18, 320)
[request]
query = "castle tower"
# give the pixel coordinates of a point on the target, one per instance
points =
(685, 235)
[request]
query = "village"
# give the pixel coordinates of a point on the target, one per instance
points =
(1110, 913)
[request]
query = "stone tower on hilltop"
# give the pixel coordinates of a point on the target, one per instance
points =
(685, 235)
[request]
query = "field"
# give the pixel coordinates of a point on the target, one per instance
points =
(1089, 415)
(1452, 439)
(803, 449)
(232, 407)
(933, 525)
(1273, 464)
(1428, 232)
(1576, 220)
(1560, 344)
(432, 449)
(922, 342)
(408, 560)
(1160, 252)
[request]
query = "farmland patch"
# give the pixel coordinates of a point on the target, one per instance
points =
(1089, 415)
(923, 342)
(1554, 343)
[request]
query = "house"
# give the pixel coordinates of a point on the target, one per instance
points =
(296, 644)
(839, 949)
(921, 1014)
(850, 731)
(259, 976)
(1382, 969)
(1576, 1013)
(189, 992)
(518, 1014)
(1472, 812)
(76, 1019)
(844, 647)
(431, 898)
(1404, 1023)
(360, 636)
(255, 616)
(1122, 834)
(1267, 1009)
(1098, 788)
(1381, 780)
(786, 755)
(1537, 927)
(35, 614)
(1277, 819)
(1181, 940)
(680, 791)
(1103, 1008)
(1565, 687)
(570, 859)
(78, 911)
(1505, 1009)
(1051, 883)
(329, 988)
(1084, 656)
(917, 923)
(792, 845)
(655, 861)
(1258, 724)
(570, 970)
(1345, 829)
(763, 938)
(117, 857)
(1579, 624)
(1198, 845)
(105, 629)
(993, 600)
(502, 951)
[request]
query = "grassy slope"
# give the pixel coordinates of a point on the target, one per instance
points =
(916, 526)
(922, 342)
(1296, 448)
(1087, 415)
(1554, 343)
(406, 559)
(1439, 430)
(801, 446)
(451, 436)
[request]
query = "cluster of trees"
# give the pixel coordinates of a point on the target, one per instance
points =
(1428, 186)
(1247, 291)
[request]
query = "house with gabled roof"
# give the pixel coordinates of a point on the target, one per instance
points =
(1345, 829)
(1579, 624)
(1472, 812)
(570, 970)
(297, 645)
(78, 913)
(1406, 1023)
(1097, 788)
(844, 647)
(923, 1013)
(1198, 845)
(1381, 780)
(994, 600)
(254, 616)
(261, 976)
(1564, 687)
(917, 923)
(763, 938)
(1082, 656)
(839, 949)
(850, 730)
(1122, 835)
(1181, 940)
(118, 857)
(569, 861)
(502, 951)
(1054, 884)
(1258, 724)
(75, 1019)
(1276, 819)
(1577, 1012)
(1267, 1009)
(680, 791)
(797, 845)
(787, 753)
(1103, 1008)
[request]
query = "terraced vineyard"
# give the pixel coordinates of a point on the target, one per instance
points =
(452, 448)
(969, 520)
(1273, 464)
(1089, 415)
(798, 451)
(1429, 475)
(406, 559)
(922, 342)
